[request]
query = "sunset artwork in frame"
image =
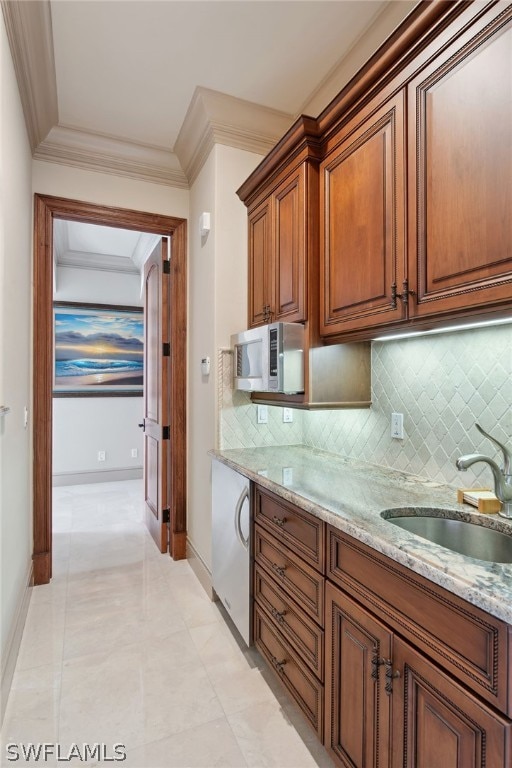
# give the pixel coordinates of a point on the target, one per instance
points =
(98, 350)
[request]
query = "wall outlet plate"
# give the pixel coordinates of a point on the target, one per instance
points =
(262, 414)
(287, 415)
(287, 475)
(397, 426)
(101, 455)
(135, 453)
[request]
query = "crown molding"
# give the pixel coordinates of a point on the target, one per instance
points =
(29, 31)
(212, 117)
(98, 262)
(93, 151)
(216, 118)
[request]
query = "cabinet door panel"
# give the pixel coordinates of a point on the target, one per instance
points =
(260, 237)
(362, 226)
(290, 255)
(460, 134)
(356, 705)
(438, 723)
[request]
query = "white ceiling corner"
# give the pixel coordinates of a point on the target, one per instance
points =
(29, 30)
(106, 87)
(217, 118)
(92, 246)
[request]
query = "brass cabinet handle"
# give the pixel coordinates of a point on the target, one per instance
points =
(404, 296)
(376, 663)
(390, 675)
(279, 569)
(278, 664)
(278, 615)
(280, 521)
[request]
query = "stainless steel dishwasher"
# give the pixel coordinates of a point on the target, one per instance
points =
(231, 544)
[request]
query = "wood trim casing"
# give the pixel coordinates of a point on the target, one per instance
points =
(46, 209)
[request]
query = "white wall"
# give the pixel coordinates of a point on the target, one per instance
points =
(15, 356)
(92, 285)
(106, 189)
(217, 308)
(83, 426)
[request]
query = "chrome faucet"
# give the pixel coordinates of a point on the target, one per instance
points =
(502, 477)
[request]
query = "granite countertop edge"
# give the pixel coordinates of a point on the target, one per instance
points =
(483, 584)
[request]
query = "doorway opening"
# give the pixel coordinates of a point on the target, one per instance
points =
(49, 212)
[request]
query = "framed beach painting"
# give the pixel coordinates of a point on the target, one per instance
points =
(98, 350)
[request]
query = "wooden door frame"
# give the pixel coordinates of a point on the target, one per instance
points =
(46, 209)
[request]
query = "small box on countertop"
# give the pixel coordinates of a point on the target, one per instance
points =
(481, 498)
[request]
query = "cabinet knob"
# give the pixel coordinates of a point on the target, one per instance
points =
(280, 521)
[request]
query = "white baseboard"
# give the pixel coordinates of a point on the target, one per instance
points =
(97, 476)
(200, 569)
(8, 661)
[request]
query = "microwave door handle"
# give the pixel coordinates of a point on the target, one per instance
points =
(238, 512)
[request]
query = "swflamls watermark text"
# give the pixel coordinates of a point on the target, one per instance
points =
(82, 753)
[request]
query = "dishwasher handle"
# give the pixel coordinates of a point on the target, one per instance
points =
(238, 513)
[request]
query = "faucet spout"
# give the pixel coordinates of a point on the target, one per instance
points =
(502, 482)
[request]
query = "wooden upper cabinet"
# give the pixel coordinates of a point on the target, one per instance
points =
(362, 221)
(277, 253)
(460, 172)
(289, 249)
(260, 266)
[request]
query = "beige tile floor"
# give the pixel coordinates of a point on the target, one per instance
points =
(124, 647)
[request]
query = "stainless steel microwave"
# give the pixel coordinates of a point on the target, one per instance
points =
(270, 358)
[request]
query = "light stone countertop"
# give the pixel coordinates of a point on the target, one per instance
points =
(350, 495)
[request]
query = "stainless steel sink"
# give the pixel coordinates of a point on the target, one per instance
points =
(460, 536)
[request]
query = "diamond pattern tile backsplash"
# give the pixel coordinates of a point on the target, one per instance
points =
(441, 383)
(237, 419)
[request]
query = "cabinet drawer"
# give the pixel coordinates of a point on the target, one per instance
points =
(468, 642)
(301, 532)
(299, 630)
(296, 577)
(303, 686)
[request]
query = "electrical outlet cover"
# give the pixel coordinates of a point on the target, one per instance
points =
(262, 414)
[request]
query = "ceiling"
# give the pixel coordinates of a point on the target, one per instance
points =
(144, 88)
(91, 246)
(129, 69)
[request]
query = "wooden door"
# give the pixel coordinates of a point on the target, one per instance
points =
(460, 172)
(289, 216)
(437, 723)
(260, 264)
(156, 394)
(362, 222)
(357, 708)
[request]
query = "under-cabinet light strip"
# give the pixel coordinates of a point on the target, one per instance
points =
(466, 327)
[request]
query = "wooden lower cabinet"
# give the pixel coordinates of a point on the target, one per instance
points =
(358, 711)
(387, 705)
(436, 722)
